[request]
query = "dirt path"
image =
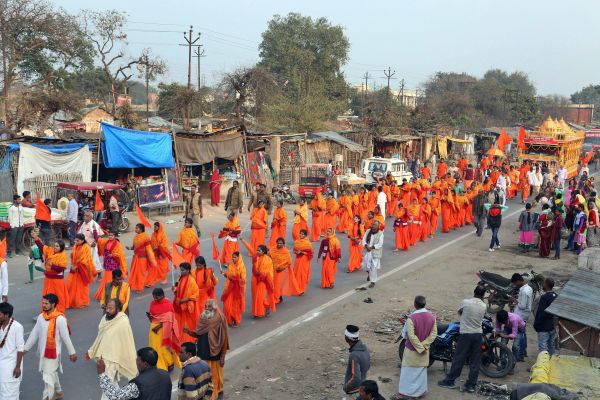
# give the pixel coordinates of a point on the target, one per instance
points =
(308, 362)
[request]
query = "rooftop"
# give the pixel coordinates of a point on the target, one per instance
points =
(579, 300)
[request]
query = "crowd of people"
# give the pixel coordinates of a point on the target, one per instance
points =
(418, 209)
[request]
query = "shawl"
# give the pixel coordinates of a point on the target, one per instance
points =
(259, 218)
(414, 210)
(115, 343)
(50, 351)
(304, 246)
(160, 243)
(216, 328)
(81, 259)
(231, 228)
(163, 312)
(188, 240)
(302, 209)
(281, 258)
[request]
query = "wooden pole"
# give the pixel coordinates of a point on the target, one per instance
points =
(98, 156)
(248, 183)
(177, 164)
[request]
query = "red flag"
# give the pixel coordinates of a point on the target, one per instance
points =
(42, 212)
(3, 248)
(98, 203)
(215, 250)
(503, 140)
(177, 257)
(521, 140)
(142, 217)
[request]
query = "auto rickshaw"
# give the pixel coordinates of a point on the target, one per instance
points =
(313, 180)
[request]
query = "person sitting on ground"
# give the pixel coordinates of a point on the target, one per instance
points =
(369, 390)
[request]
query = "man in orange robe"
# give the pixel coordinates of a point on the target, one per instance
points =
(414, 230)
(162, 252)
(184, 301)
(206, 280)
(318, 207)
(426, 172)
(442, 168)
(113, 258)
(425, 219)
(401, 228)
(436, 209)
(405, 190)
(373, 198)
(263, 296)
(494, 175)
(363, 204)
(279, 224)
(331, 252)
(378, 217)
(259, 219)
(355, 236)
(514, 181)
(143, 259)
(234, 292)
(300, 219)
(462, 165)
(56, 261)
(284, 280)
(304, 253)
(331, 216)
(188, 241)
(446, 205)
(81, 274)
(230, 232)
(395, 198)
(345, 212)
(370, 219)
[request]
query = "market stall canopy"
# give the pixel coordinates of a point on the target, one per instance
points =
(339, 139)
(128, 148)
(201, 149)
(457, 140)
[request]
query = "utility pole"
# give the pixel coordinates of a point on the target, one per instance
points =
(189, 43)
(401, 94)
(199, 53)
(389, 75)
(366, 77)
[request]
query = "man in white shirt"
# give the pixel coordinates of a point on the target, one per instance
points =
(562, 176)
(15, 234)
(92, 231)
(3, 281)
(501, 185)
(523, 307)
(49, 350)
(72, 213)
(373, 242)
(11, 353)
(381, 200)
(533, 181)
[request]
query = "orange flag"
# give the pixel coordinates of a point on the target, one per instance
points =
(41, 210)
(215, 250)
(143, 220)
(177, 258)
(588, 157)
(98, 203)
(521, 140)
(503, 140)
(3, 248)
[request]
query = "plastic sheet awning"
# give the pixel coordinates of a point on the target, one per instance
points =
(128, 148)
(53, 148)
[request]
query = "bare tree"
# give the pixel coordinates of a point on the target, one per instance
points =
(105, 30)
(150, 67)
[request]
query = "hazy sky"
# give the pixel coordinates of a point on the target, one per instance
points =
(554, 41)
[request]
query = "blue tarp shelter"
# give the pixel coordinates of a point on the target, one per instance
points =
(128, 148)
(53, 148)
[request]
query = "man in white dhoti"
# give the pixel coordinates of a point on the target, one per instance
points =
(11, 353)
(373, 245)
(420, 330)
(92, 231)
(50, 332)
(115, 345)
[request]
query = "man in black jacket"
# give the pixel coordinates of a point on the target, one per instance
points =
(544, 322)
(494, 220)
(479, 212)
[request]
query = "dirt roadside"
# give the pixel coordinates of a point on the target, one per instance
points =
(308, 362)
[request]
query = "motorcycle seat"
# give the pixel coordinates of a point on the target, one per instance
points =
(441, 328)
(496, 279)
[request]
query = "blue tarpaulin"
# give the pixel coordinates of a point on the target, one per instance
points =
(53, 148)
(127, 148)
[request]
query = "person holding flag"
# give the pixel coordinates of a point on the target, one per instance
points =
(56, 261)
(230, 232)
(206, 280)
(279, 224)
(185, 299)
(43, 218)
(143, 259)
(188, 241)
(284, 281)
(160, 246)
(234, 292)
(81, 274)
(113, 258)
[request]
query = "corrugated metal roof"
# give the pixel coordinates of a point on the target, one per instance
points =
(396, 138)
(339, 139)
(579, 300)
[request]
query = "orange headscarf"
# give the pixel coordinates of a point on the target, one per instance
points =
(281, 258)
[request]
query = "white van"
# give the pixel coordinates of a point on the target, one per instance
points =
(378, 167)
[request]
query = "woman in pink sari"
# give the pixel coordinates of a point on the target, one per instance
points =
(215, 188)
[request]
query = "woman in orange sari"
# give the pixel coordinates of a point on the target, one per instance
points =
(446, 205)
(331, 252)
(160, 246)
(56, 261)
(184, 302)
(363, 204)
(304, 253)
(143, 259)
(284, 280)
(393, 204)
(113, 258)
(279, 224)
(345, 212)
(414, 230)
(206, 280)
(234, 292)
(355, 234)
(300, 219)
(436, 209)
(425, 218)
(263, 296)
(401, 228)
(82, 273)
(259, 220)
(331, 216)
(188, 241)
(372, 198)
(230, 232)
(317, 206)
(405, 191)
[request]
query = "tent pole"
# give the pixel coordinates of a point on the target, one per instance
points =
(98, 156)
(248, 183)
(177, 165)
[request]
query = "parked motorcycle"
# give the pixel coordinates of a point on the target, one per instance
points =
(500, 291)
(284, 193)
(496, 358)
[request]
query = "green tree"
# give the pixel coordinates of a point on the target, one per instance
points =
(307, 54)
(587, 95)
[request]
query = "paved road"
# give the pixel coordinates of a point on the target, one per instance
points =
(79, 380)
